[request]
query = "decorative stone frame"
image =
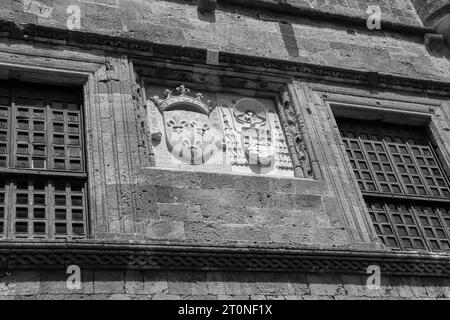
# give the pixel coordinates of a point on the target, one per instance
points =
(213, 79)
(110, 131)
(304, 165)
(324, 102)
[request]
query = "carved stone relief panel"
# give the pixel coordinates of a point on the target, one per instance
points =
(254, 137)
(217, 132)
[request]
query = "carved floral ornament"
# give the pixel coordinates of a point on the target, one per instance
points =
(245, 130)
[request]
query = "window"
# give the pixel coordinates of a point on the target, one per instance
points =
(402, 181)
(42, 171)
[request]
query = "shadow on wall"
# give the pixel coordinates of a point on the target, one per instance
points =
(289, 39)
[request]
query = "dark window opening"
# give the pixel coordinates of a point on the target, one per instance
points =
(42, 169)
(403, 183)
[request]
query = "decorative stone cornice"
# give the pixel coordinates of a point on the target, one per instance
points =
(349, 76)
(245, 64)
(103, 255)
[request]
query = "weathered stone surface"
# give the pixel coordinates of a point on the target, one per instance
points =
(173, 285)
(55, 282)
(130, 198)
(20, 283)
(155, 282)
(222, 207)
(109, 282)
(179, 24)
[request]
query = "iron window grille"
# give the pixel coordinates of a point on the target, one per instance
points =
(402, 181)
(42, 168)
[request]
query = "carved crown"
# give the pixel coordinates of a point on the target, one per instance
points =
(184, 98)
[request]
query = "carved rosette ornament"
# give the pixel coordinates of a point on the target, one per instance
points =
(189, 133)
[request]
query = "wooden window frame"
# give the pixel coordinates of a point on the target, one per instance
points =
(49, 176)
(403, 186)
(402, 111)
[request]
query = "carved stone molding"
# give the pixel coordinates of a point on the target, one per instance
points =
(435, 14)
(336, 74)
(97, 255)
(294, 136)
(145, 148)
(282, 69)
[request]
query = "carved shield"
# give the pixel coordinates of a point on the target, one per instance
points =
(190, 136)
(258, 146)
(256, 134)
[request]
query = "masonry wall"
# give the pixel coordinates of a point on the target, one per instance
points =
(131, 200)
(163, 285)
(223, 208)
(256, 32)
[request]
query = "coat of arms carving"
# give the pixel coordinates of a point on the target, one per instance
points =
(233, 133)
(190, 135)
(254, 136)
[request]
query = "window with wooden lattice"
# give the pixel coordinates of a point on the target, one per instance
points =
(403, 183)
(42, 169)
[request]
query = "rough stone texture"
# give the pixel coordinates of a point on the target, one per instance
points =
(215, 207)
(426, 8)
(393, 10)
(435, 14)
(257, 32)
(135, 284)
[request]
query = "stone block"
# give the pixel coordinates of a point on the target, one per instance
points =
(355, 285)
(164, 229)
(215, 283)
(219, 232)
(134, 282)
(55, 282)
(179, 283)
(240, 283)
(155, 282)
(180, 212)
(272, 284)
(325, 285)
(20, 283)
(198, 282)
(109, 282)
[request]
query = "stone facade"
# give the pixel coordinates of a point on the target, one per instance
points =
(176, 285)
(273, 209)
